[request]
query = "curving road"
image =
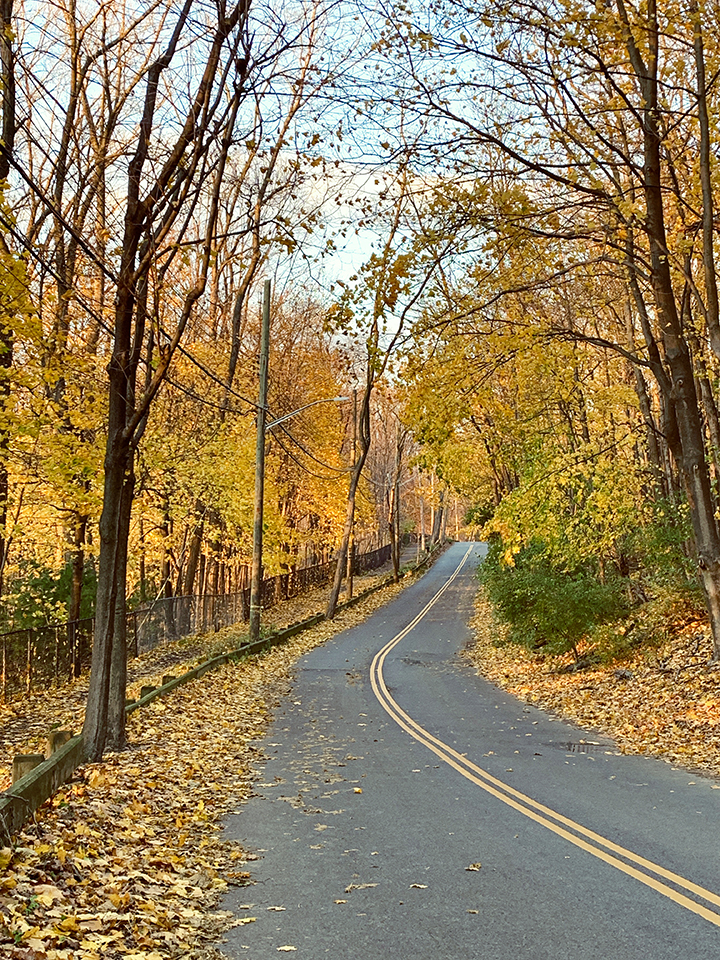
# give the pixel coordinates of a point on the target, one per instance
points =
(409, 809)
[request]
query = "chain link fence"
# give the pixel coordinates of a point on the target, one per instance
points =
(38, 658)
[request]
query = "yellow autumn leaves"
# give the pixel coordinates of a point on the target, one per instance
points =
(664, 701)
(127, 858)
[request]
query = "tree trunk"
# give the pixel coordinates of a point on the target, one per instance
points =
(195, 548)
(341, 560)
(362, 447)
(118, 664)
(143, 571)
(7, 92)
(394, 512)
(78, 566)
(392, 531)
(438, 518)
(712, 308)
(166, 589)
(693, 465)
(111, 567)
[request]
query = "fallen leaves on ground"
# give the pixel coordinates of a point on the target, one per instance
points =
(24, 724)
(662, 702)
(127, 860)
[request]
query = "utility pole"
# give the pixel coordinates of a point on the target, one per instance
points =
(351, 545)
(256, 581)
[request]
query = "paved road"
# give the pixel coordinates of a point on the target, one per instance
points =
(393, 769)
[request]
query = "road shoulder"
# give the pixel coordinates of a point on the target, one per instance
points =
(663, 702)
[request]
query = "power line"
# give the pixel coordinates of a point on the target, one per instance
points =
(328, 466)
(302, 465)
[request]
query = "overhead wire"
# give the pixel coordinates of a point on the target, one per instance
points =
(51, 207)
(304, 449)
(302, 466)
(80, 299)
(5, 223)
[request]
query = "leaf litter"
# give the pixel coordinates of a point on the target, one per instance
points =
(25, 723)
(127, 860)
(663, 702)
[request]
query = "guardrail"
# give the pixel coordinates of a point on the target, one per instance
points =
(19, 802)
(39, 658)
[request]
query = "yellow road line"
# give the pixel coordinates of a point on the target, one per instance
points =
(526, 805)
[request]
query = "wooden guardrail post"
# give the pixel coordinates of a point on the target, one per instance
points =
(55, 740)
(25, 762)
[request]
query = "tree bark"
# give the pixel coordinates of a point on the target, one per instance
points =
(694, 467)
(195, 548)
(7, 340)
(78, 566)
(708, 214)
(110, 586)
(115, 739)
(145, 220)
(362, 448)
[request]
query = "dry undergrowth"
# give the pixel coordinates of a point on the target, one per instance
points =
(662, 702)
(127, 860)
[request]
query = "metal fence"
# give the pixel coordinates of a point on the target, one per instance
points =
(42, 657)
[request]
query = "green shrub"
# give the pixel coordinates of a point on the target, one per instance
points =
(665, 553)
(546, 607)
(37, 595)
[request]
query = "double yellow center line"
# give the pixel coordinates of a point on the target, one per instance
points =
(645, 871)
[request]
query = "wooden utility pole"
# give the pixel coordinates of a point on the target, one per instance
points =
(351, 545)
(256, 582)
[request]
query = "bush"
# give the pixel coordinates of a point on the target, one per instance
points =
(664, 549)
(37, 595)
(546, 607)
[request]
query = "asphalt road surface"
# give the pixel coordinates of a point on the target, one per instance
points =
(409, 809)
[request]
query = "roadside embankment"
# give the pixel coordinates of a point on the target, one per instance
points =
(663, 701)
(127, 860)
(24, 724)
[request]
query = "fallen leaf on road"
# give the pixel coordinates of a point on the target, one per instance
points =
(287, 948)
(668, 706)
(418, 886)
(276, 908)
(127, 860)
(474, 866)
